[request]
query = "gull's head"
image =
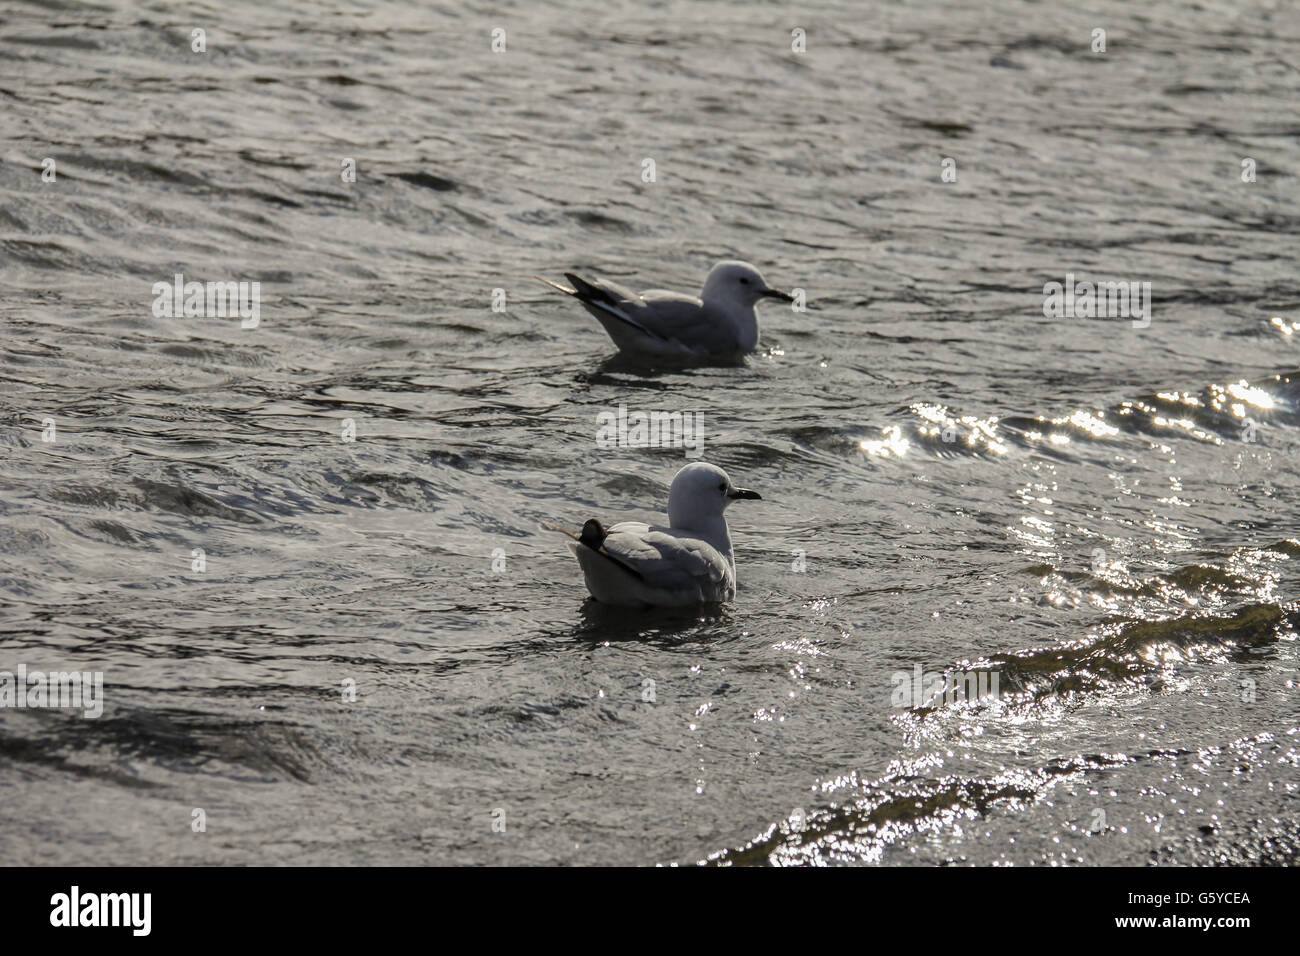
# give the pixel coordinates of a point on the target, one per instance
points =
(700, 492)
(736, 281)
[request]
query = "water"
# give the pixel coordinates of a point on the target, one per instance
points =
(1097, 513)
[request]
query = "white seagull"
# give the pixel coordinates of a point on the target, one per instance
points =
(721, 322)
(689, 562)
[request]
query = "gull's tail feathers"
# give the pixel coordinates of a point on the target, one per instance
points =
(594, 297)
(592, 294)
(593, 537)
(556, 285)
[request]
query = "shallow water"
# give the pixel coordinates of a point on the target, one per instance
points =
(1099, 514)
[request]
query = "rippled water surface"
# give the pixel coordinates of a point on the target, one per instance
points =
(1098, 514)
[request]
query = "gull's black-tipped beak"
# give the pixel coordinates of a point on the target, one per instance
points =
(735, 493)
(778, 294)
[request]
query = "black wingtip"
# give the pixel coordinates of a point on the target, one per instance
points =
(593, 535)
(588, 292)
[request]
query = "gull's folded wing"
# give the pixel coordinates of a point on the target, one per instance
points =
(667, 561)
(683, 319)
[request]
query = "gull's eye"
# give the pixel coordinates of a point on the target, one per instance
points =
(744, 281)
(722, 488)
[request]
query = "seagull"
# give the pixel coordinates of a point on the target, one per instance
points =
(721, 322)
(688, 562)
